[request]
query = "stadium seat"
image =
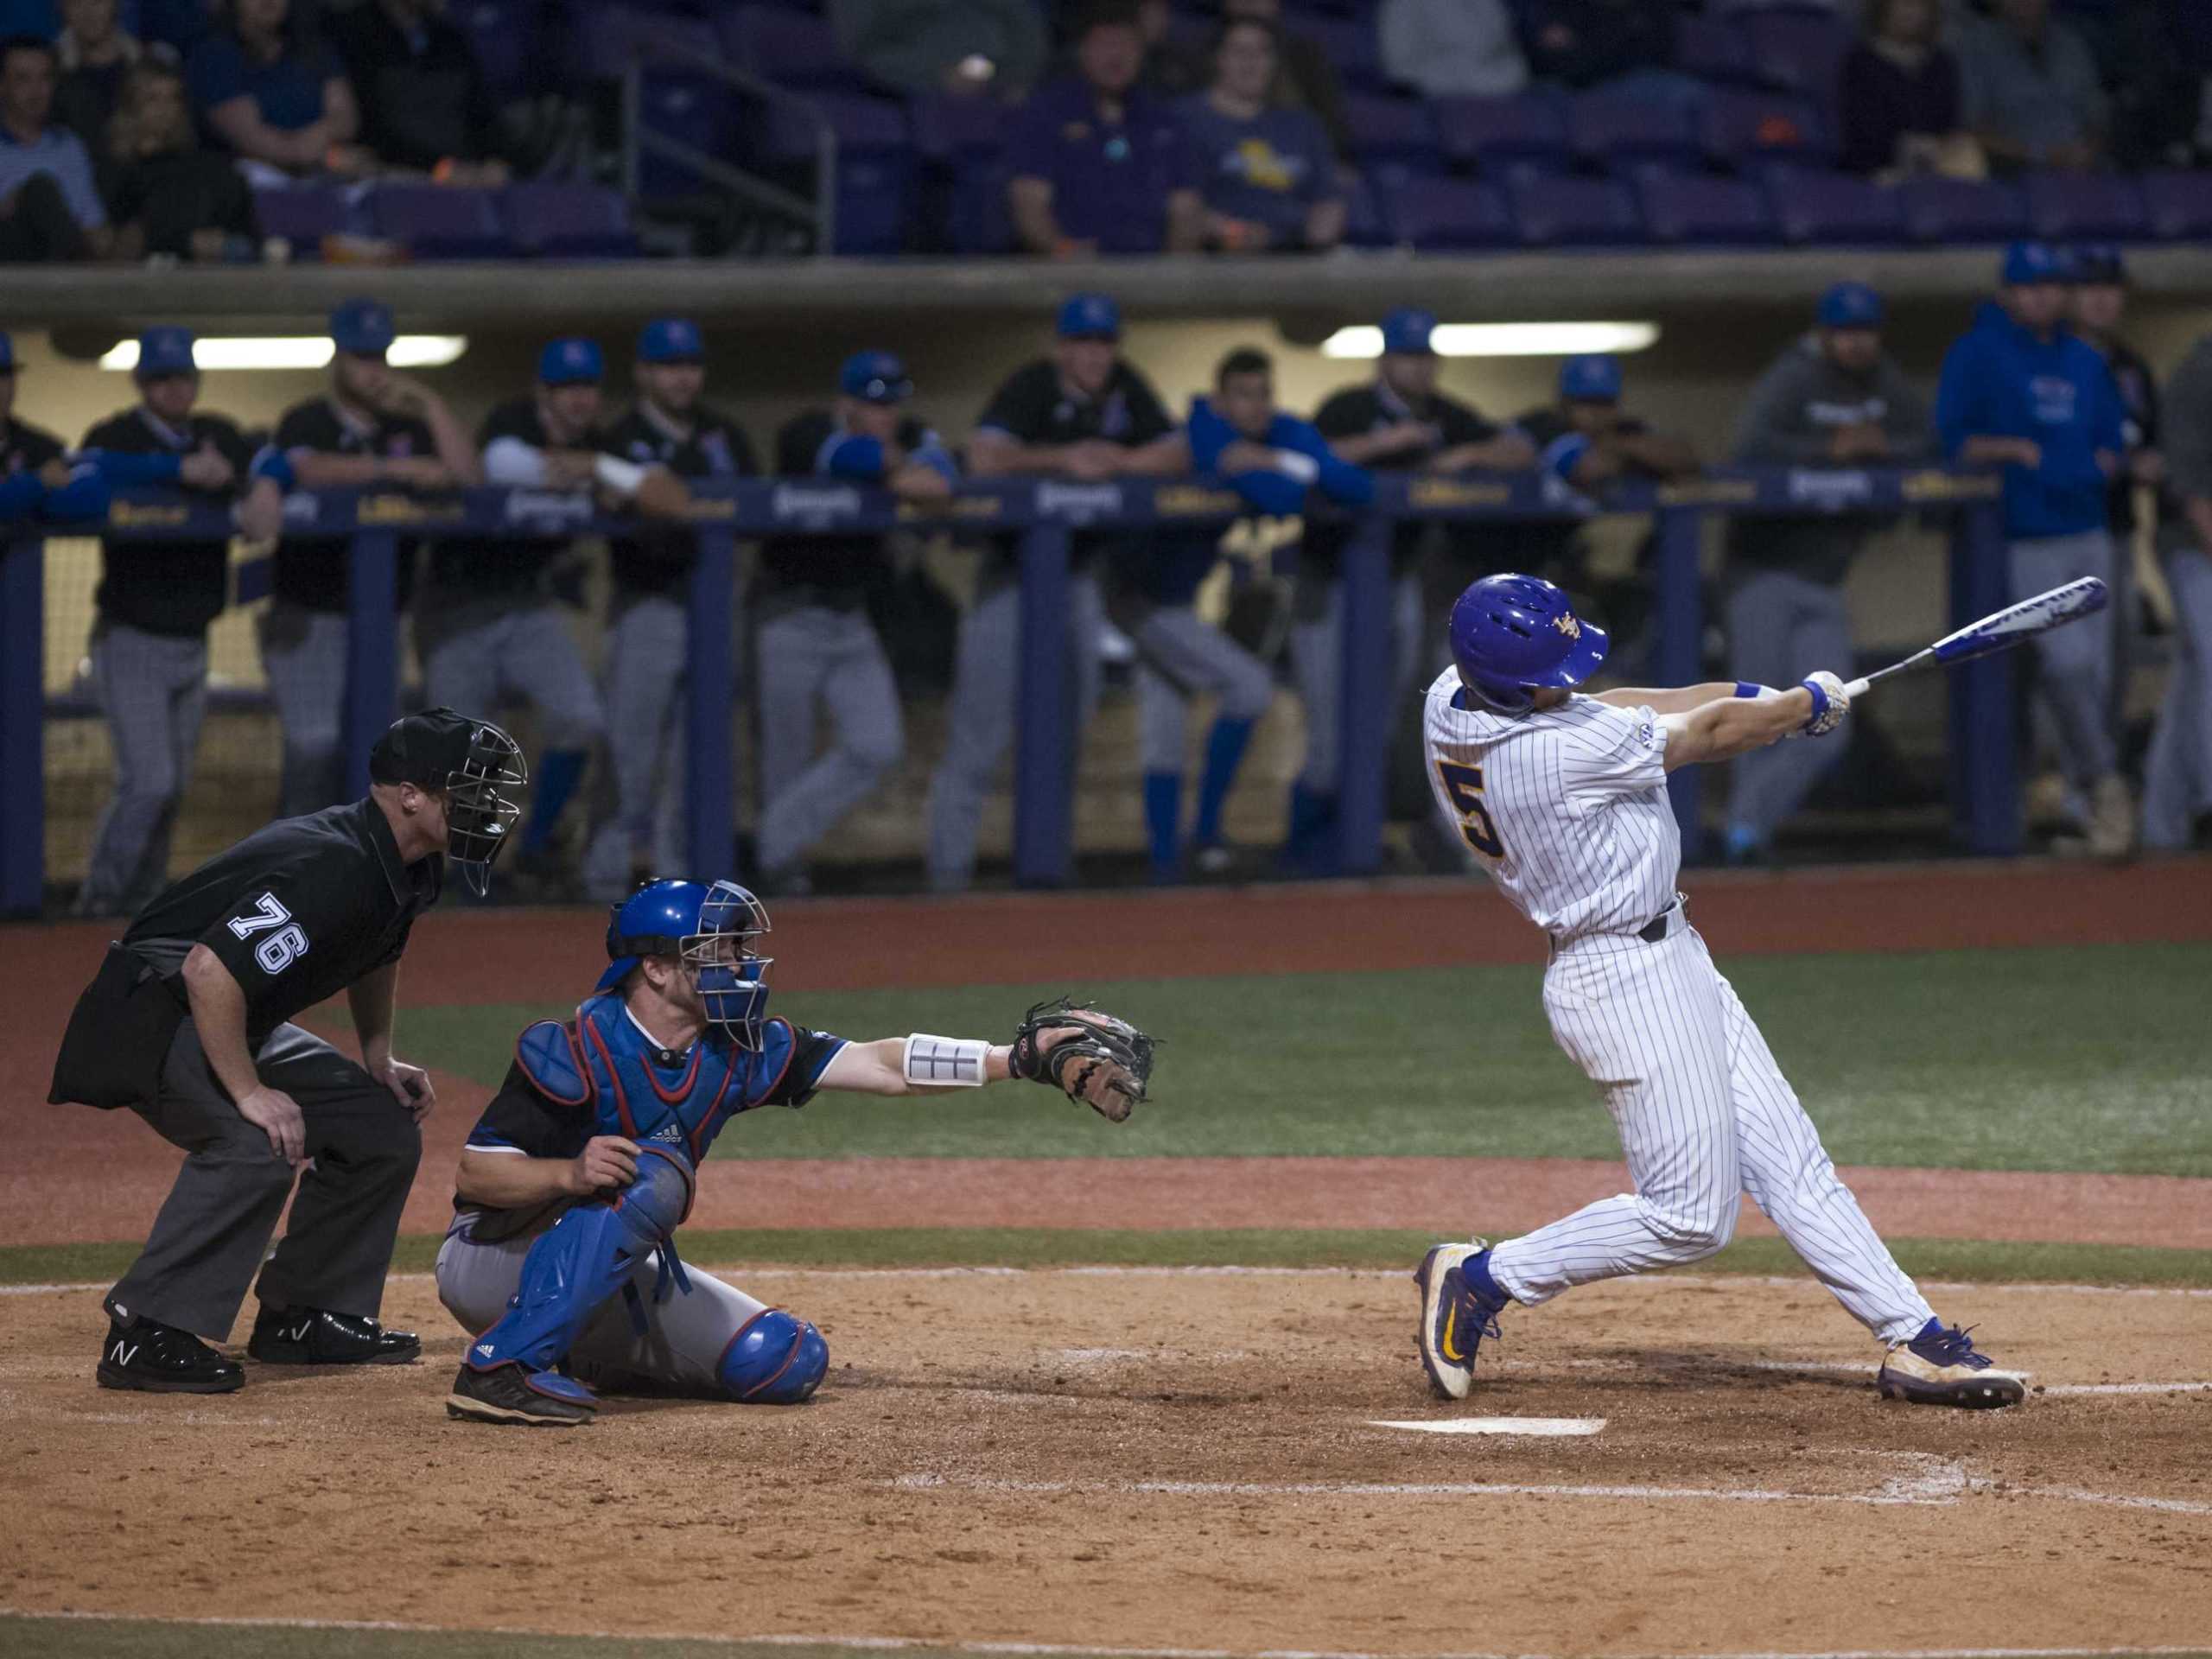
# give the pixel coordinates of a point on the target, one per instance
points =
(1573, 211)
(437, 221)
(792, 49)
(1610, 130)
(976, 218)
(1684, 208)
(603, 40)
(1822, 206)
(1799, 51)
(1354, 49)
(1958, 210)
(1747, 130)
(507, 37)
(2086, 206)
(1504, 135)
(569, 221)
(1367, 222)
(701, 110)
(1445, 214)
(2179, 204)
(949, 131)
(876, 183)
(1712, 48)
(1393, 130)
(303, 214)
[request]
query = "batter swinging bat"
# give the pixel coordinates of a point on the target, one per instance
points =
(2002, 630)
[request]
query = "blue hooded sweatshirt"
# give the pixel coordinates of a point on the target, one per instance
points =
(2001, 381)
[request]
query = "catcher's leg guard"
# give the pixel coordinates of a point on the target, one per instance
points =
(773, 1360)
(581, 1261)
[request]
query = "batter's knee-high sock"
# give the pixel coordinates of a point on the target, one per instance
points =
(1312, 814)
(1225, 747)
(1163, 813)
(559, 770)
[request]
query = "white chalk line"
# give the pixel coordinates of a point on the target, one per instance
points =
(1846, 1369)
(1041, 1649)
(1539, 1428)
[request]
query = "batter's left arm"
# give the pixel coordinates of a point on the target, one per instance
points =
(1679, 702)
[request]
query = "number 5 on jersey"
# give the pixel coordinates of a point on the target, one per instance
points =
(289, 940)
(1462, 785)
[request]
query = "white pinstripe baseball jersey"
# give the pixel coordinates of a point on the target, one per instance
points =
(1565, 807)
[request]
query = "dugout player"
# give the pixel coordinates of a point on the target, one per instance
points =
(1397, 422)
(2177, 772)
(1084, 413)
(814, 646)
(30, 459)
(372, 427)
(669, 430)
(188, 1023)
(150, 634)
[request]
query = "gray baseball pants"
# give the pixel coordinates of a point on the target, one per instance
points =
(153, 688)
(981, 729)
(810, 656)
(645, 650)
(1780, 627)
(1316, 658)
(1177, 657)
(214, 1226)
(303, 654)
(526, 652)
(2178, 774)
(2075, 664)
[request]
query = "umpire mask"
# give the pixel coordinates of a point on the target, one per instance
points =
(473, 763)
(733, 975)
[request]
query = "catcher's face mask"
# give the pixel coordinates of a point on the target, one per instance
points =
(478, 814)
(732, 974)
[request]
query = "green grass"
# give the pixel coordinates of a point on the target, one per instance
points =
(2092, 1059)
(1944, 1259)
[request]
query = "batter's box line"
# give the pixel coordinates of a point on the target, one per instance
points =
(1846, 1369)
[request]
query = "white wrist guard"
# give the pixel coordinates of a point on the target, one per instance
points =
(622, 477)
(945, 1062)
(1291, 464)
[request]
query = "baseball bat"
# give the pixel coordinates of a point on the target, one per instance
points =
(2001, 630)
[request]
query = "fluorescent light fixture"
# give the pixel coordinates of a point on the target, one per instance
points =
(298, 352)
(1506, 339)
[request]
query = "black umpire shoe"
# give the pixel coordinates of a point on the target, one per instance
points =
(161, 1359)
(314, 1336)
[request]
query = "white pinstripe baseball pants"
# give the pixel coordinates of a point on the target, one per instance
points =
(1704, 1113)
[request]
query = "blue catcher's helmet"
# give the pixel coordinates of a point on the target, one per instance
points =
(711, 927)
(1511, 634)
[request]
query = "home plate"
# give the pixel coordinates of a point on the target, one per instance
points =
(1553, 1427)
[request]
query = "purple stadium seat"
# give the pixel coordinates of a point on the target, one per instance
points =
(1960, 210)
(864, 126)
(791, 49)
(1712, 48)
(1818, 206)
(949, 130)
(976, 219)
(506, 36)
(1431, 212)
(1748, 129)
(1573, 212)
(1524, 134)
(2086, 207)
(1799, 51)
(606, 38)
(1391, 130)
(1684, 208)
(439, 222)
(303, 214)
(2180, 203)
(1367, 223)
(569, 221)
(1610, 128)
(698, 110)
(875, 166)
(1354, 49)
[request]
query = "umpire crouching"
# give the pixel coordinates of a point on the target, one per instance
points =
(186, 1023)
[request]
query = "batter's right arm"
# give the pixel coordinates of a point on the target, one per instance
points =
(1680, 701)
(1730, 725)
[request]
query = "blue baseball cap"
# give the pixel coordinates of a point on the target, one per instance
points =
(7, 355)
(875, 377)
(672, 339)
(163, 352)
(1593, 378)
(362, 328)
(1406, 332)
(1090, 316)
(570, 363)
(1851, 305)
(2099, 262)
(2028, 264)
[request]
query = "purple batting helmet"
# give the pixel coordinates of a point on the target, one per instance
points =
(1511, 634)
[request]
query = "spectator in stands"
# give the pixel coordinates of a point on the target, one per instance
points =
(269, 88)
(30, 458)
(1834, 398)
(1101, 166)
(424, 102)
(1452, 48)
(2158, 84)
(962, 48)
(1084, 413)
(94, 55)
(372, 427)
(166, 194)
(150, 634)
(1398, 421)
(1309, 80)
(49, 206)
(1624, 46)
(1267, 174)
(2032, 95)
(814, 646)
(649, 609)
(2177, 772)
(2023, 390)
(1899, 99)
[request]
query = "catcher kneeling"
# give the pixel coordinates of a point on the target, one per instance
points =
(563, 1257)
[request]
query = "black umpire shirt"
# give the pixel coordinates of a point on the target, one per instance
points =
(26, 449)
(297, 911)
(478, 567)
(310, 571)
(837, 571)
(1357, 410)
(658, 565)
(2138, 397)
(169, 588)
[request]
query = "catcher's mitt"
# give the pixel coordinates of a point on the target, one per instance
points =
(1087, 1055)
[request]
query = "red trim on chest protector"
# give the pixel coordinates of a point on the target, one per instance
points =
(614, 1076)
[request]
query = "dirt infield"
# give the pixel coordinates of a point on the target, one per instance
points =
(1179, 1460)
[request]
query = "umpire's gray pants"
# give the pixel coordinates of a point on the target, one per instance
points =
(803, 657)
(980, 726)
(2074, 665)
(1781, 627)
(2178, 774)
(1177, 657)
(213, 1228)
(1317, 657)
(481, 655)
(154, 690)
(681, 1352)
(303, 654)
(645, 649)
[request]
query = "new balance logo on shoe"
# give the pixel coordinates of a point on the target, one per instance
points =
(298, 1333)
(122, 1355)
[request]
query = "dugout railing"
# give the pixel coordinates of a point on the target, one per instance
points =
(1044, 515)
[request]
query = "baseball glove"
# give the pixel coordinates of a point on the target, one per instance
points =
(1088, 1055)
